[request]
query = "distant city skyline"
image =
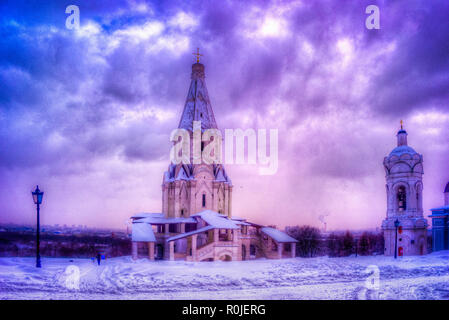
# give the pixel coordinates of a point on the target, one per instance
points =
(87, 113)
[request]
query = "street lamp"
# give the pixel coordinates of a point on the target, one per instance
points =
(396, 224)
(37, 198)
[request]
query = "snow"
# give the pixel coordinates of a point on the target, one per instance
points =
(157, 220)
(440, 208)
(420, 277)
(146, 215)
(197, 107)
(183, 235)
(182, 175)
(220, 177)
(242, 223)
(142, 232)
(216, 220)
(277, 235)
(400, 150)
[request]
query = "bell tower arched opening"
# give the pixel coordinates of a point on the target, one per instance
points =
(401, 197)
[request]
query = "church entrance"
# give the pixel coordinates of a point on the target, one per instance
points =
(225, 257)
(243, 252)
(400, 251)
(159, 252)
(252, 251)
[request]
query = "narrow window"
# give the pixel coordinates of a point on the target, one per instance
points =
(402, 199)
(204, 200)
(182, 212)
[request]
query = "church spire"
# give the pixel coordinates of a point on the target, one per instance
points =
(402, 136)
(197, 106)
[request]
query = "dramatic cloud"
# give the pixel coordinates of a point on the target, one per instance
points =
(87, 113)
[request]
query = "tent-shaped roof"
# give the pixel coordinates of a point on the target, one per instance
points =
(197, 106)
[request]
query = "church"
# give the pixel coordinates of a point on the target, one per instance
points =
(197, 222)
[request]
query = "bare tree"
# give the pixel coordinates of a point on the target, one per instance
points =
(308, 239)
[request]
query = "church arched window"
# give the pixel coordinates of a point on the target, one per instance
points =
(204, 200)
(182, 212)
(419, 197)
(402, 199)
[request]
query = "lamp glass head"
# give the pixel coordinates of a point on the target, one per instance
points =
(37, 196)
(396, 223)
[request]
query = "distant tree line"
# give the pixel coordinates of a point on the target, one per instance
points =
(24, 245)
(311, 242)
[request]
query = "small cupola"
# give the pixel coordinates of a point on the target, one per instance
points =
(402, 136)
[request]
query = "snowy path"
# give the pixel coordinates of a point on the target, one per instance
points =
(424, 277)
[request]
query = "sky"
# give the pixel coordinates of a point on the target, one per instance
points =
(87, 113)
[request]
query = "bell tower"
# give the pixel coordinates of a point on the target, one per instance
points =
(404, 188)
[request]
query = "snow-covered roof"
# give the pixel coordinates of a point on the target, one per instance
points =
(142, 232)
(440, 208)
(145, 215)
(220, 176)
(187, 234)
(398, 151)
(255, 224)
(185, 172)
(243, 223)
(277, 235)
(159, 218)
(163, 220)
(216, 220)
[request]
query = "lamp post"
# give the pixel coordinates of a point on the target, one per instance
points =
(396, 224)
(37, 198)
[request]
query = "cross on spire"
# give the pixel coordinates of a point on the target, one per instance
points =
(402, 125)
(197, 54)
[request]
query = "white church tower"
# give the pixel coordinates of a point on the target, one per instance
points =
(404, 170)
(190, 188)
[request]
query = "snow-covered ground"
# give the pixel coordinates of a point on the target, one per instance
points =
(422, 277)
